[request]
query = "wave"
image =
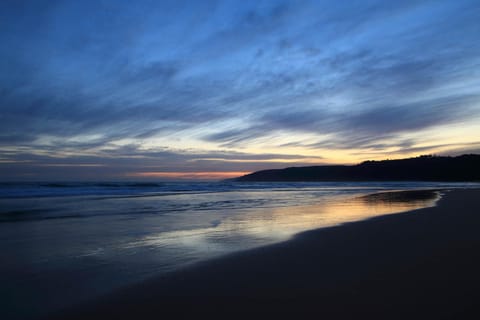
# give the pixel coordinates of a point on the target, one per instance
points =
(93, 208)
(102, 184)
(133, 189)
(23, 202)
(61, 189)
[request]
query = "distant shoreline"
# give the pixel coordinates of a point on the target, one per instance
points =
(464, 168)
(414, 265)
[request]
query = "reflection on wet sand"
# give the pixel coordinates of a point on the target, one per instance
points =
(262, 226)
(287, 221)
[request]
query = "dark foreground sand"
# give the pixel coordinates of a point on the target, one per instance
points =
(423, 264)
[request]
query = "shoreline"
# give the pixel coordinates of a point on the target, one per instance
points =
(420, 264)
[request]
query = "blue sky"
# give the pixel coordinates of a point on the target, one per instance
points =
(208, 89)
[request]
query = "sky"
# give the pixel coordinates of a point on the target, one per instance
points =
(128, 90)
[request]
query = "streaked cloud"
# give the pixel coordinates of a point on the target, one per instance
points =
(232, 86)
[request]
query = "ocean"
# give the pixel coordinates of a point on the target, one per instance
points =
(65, 243)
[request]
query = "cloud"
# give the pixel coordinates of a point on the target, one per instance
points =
(348, 75)
(360, 128)
(130, 161)
(413, 116)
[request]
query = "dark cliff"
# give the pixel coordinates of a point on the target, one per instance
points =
(424, 168)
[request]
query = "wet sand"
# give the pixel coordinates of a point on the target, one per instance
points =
(422, 264)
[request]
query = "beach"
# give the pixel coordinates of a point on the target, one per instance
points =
(64, 244)
(421, 264)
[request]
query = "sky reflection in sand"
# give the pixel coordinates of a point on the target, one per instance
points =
(262, 226)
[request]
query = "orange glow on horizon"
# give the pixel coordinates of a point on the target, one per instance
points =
(190, 175)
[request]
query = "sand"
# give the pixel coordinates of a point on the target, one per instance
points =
(422, 264)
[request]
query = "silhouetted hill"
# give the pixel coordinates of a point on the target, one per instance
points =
(423, 168)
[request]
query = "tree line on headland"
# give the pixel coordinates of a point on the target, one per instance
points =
(423, 168)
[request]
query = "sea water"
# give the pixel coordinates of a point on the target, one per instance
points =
(65, 243)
